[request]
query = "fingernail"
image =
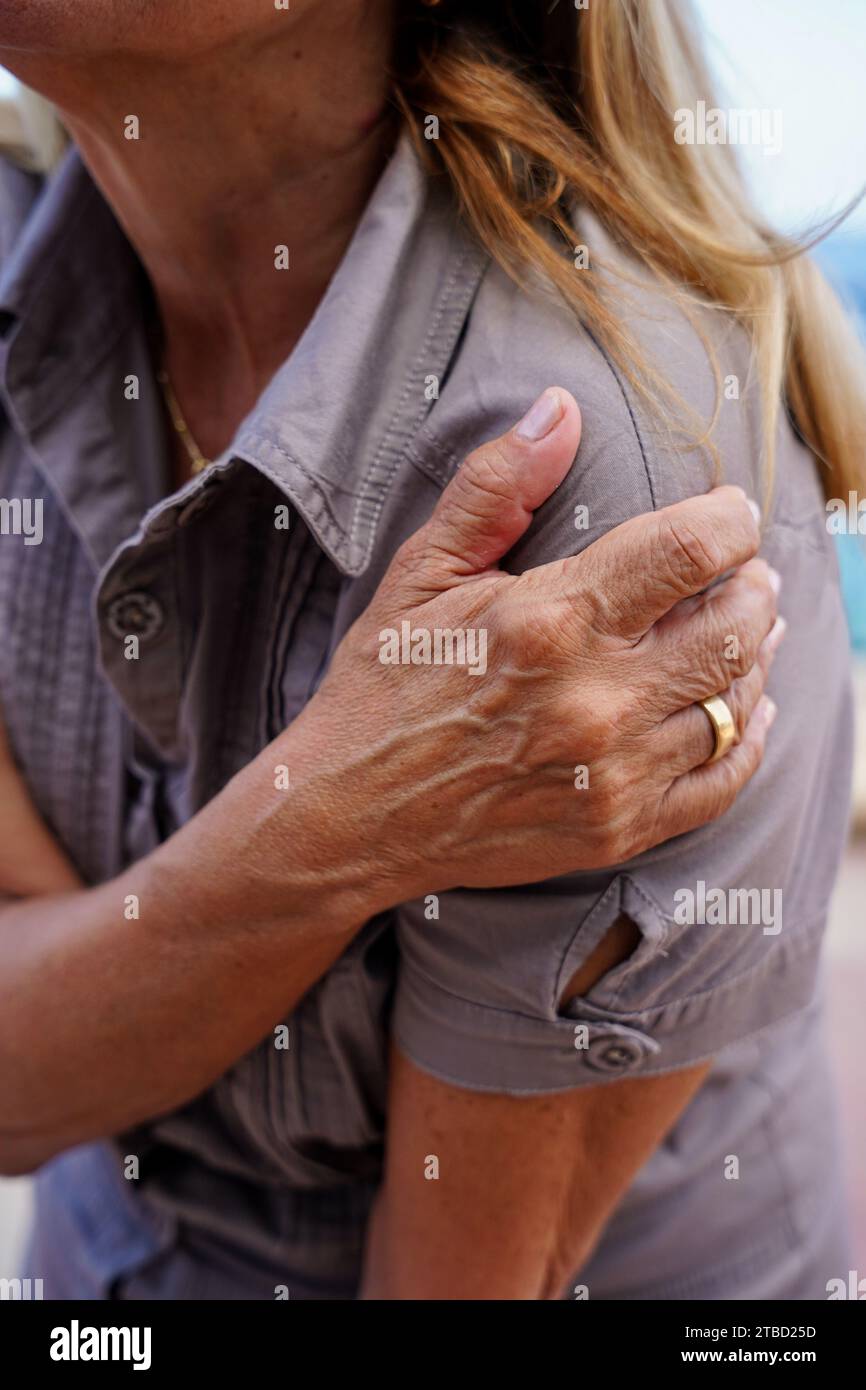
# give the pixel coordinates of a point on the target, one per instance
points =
(754, 509)
(771, 709)
(776, 633)
(775, 579)
(541, 417)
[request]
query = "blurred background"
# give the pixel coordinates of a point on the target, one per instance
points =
(807, 62)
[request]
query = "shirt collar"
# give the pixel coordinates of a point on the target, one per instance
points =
(333, 424)
(336, 419)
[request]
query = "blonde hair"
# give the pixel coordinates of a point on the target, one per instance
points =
(522, 143)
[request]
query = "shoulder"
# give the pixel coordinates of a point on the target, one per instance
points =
(693, 986)
(632, 457)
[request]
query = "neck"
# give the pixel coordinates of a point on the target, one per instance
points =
(272, 143)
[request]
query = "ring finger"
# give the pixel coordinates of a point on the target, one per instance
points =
(687, 738)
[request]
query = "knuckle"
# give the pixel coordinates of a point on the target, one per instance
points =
(595, 608)
(750, 612)
(752, 753)
(599, 733)
(690, 551)
(487, 471)
(732, 647)
(754, 623)
(756, 577)
(741, 702)
(725, 791)
(407, 558)
(730, 514)
(522, 633)
(750, 644)
(736, 770)
(738, 658)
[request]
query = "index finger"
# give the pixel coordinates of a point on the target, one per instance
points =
(639, 571)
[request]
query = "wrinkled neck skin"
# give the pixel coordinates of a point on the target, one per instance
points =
(270, 139)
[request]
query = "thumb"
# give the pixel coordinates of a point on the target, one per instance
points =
(489, 503)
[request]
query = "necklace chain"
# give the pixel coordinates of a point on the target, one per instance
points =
(197, 460)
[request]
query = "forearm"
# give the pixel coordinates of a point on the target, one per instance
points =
(123, 1001)
(524, 1185)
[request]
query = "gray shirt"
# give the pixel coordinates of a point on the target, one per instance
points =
(420, 350)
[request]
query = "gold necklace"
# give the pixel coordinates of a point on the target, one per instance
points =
(197, 460)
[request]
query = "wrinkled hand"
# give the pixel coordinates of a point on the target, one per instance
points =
(594, 661)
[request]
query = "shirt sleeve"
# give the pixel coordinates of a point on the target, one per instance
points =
(731, 916)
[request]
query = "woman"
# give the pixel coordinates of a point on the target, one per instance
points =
(594, 1082)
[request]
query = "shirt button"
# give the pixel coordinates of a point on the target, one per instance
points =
(614, 1054)
(134, 615)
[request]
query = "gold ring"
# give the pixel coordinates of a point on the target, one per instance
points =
(724, 728)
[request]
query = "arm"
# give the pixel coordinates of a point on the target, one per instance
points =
(123, 1001)
(525, 1183)
(525, 1186)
